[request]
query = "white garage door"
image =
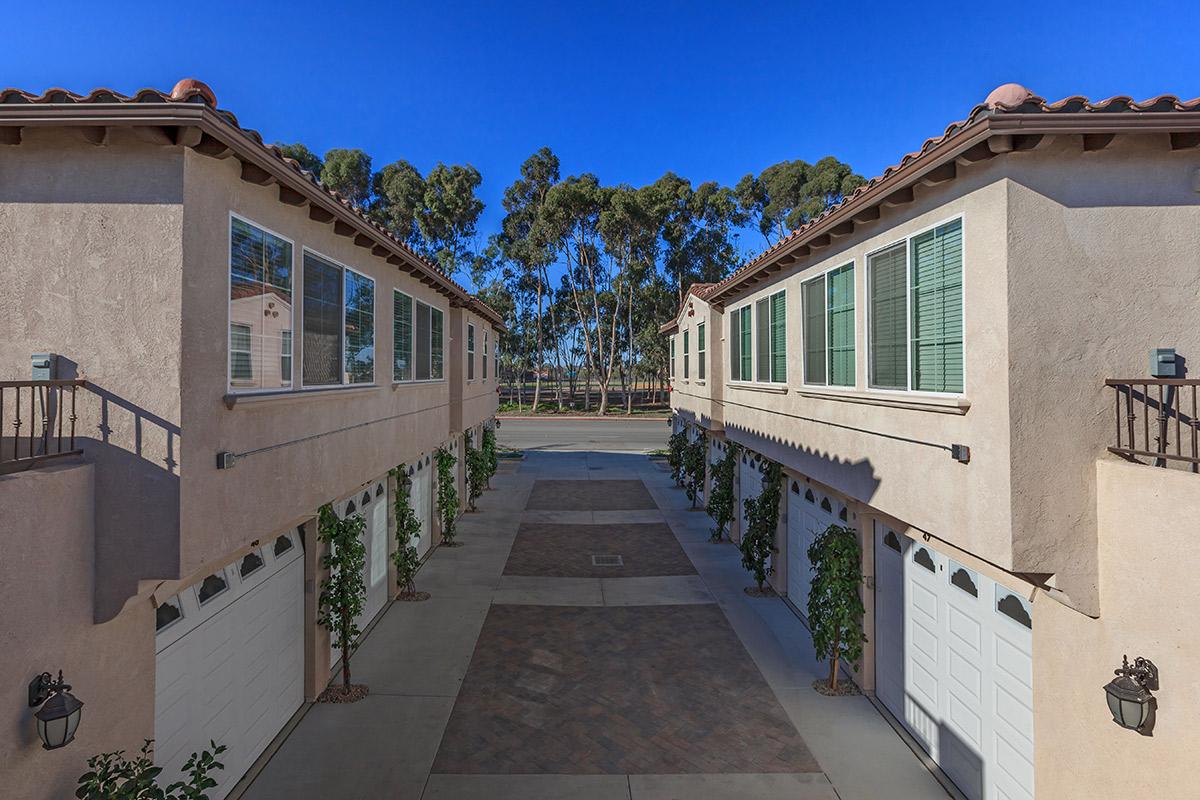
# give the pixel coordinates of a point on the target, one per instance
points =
(749, 486)
(421, 498)
(964, 654)
(809, 513)
(372, 503)
(230, 661)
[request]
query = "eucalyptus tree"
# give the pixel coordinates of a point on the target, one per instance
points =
(786, 195)
(448, 215)
(306, 158)
(348, 172)
(399, 194)
(698, 229)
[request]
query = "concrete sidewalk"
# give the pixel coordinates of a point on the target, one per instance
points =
(416, 657)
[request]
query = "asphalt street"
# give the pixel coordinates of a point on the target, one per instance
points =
(614, 435)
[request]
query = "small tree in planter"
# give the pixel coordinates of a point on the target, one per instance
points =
(835, 607)
(489, 452)
(720, 495)
(675, 447)
(476, 471)
(762, 513)
(693, 468)
(343, 592)
(408, 533)
(447, 495)
(111, 776)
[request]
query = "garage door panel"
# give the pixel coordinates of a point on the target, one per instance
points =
(1013, 714)
(965, 629)
(1015, 771)
(1013, 662)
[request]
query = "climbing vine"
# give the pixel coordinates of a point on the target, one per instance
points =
(343, 590)
(489, 451)
(693, 468)
(675, 446)
(111, 776)
(835, 607)
(447, 495)
(476, 470)
(720, 494)
(408, 533)
(762, 513)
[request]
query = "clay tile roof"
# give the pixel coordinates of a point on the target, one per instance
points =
(192, 91)
(1006, 99)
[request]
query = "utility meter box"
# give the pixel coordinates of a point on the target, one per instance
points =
(1162, 362)
(45, 366)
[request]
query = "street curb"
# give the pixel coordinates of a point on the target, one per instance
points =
(569, 418)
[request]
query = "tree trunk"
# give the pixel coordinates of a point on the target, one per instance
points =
(833, 665)
(345, 662)
(537, 371)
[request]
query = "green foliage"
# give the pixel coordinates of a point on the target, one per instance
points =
(348, 172)
(476, 470)
(786, 195)
(448, 215)
(720, 495)
(343, 590)
(835, 606)
(693, 467)
(762, 514)
(111, 776)
(489, 451)
(675, 447)
(447, 493)
(399, 194)
(408, 532)
(307, 159)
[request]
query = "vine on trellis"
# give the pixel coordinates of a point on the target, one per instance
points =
(476, 470)
(693, 468)
(762, 514)
(343, 589)
(408, 533)
(835, 607)
(447, 495)
(720, 494)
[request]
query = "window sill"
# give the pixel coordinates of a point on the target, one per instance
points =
(700, 383)
(914, 402)
(398, 384)
(233, 399)
(759, 387)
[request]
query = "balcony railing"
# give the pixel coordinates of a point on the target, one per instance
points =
(37, 422)
(1157, 421)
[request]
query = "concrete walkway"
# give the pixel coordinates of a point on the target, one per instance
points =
(463, 685)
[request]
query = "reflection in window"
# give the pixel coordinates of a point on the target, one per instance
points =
(260, 307)
(322, 353)
(167, 613)
(360, 328)
(402, 336)
(282, 545)
(212, 586)
(250, 564)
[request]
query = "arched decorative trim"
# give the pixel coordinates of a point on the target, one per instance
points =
(350, 509)
(923, 557)
(366, 498)
(964, 579)
(795, 488)
(844, 514)
(809, 496)
(1013, 607)
(892, 541)
(826, 506)
(378, 489)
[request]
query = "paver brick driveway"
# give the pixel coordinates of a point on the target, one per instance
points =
(593, 495)
(565, 551)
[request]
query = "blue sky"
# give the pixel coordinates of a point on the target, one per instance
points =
(625, 90)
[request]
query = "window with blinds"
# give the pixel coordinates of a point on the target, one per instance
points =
(402, 336)
(762, 333)
(427, 343)
(840, 327)
(470, 352)
(770, 322)
(672, 356)
(359, 328)
(435, 344)
(483, 362)
(916, 320)
(746, 353)
(813, 296)
(685, 355)
(700, 352)
(937, 320)
(260, 308)
(322, 356)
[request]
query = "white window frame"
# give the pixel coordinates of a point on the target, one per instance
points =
(374, 322)
(470, 350)
(412, 336)
(418, 301)
(701, 351)
(754, 381)
(741, 381)
(483, 361)
(686, 339)
(297, 278)
(907, 240)
(824, 276)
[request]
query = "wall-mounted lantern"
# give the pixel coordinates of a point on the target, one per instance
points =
(58, 717)
(1129, 697)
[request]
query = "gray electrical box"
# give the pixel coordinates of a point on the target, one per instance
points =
(45, 366)
(1162, 362)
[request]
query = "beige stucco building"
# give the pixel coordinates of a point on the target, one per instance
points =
(928, 362)
(247, 347)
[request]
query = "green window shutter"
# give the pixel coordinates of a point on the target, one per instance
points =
(700, 351)
(814, 331)
(841, 326)
(746, 365)
(762, 344)
(937, 330)
(779, 337)
(735, 341)
(672, 356)
(889, 317)
(685, 354)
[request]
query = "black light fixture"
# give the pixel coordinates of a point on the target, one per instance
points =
(1129, 697)
(58, 717)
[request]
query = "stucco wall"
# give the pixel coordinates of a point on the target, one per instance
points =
(698, 399)
(1104, 265)
(1149, 596)
(94, 274)
(46, 582)
(859, 442)
(359, 432)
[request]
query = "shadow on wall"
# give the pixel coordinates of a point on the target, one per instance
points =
(136, 457)
(856, 479)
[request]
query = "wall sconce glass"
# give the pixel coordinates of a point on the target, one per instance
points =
(1129, 697)
(58, 717)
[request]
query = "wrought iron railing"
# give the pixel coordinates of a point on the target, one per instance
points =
(1157, 421)
(37, 422)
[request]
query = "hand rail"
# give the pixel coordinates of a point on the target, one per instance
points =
(46, 409)
(1174, 436)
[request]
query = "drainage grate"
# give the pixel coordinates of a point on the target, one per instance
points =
(607, 561)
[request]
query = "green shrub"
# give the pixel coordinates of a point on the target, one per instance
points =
(447, 494)
(111, 776)
(720, 495)
(762, 514)
(343, 590)
(693, 468)
(408, 533)
(835, 607)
